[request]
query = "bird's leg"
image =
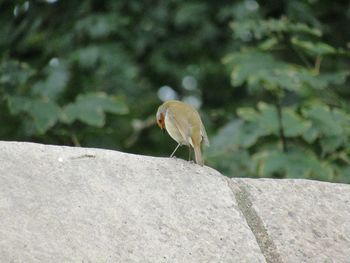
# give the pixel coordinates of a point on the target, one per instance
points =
(175, 150)
(189, 153)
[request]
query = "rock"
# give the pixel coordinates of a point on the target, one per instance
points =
(65, 204)
(62, 204)
(307, 221)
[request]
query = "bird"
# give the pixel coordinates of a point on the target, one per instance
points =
(183, 123)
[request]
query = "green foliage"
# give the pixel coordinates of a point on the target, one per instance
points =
(272, 77)
(296, 132)
(258, 29)
(267, 123)
(88, 108)
(54, 82)
(91, 108)
(297, 163)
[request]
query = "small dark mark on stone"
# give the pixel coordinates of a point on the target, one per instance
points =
(84, 156)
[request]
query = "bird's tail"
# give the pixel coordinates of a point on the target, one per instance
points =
(198, 155)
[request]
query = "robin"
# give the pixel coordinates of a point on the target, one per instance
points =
(184, 125)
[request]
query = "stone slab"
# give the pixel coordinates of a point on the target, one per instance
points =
(65, 204)
(305, 221)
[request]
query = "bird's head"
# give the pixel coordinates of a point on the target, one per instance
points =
(161, 117)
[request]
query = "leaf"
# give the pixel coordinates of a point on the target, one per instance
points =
(247, 113)
(293, 124)
(14, 72)
(110, 65)
(18, 104)
(268, 44)
(344, 175)
(189, 14)
(324, 120)
(250, 66)
(331, 127)
(262, 71)
(259, 28)
(336, 78)
(45, 114)
(90, 116)
(266, 120)
(55, 82)
(314, 48)
(249, 134)
(268, 164)
(90, 108)
(311, 134)
(318, 48)
(87, 57)
(99, 26)
(296, 163)
(233, 136)
(220, 143)
(331, 144)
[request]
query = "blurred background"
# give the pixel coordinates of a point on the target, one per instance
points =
(270, 79)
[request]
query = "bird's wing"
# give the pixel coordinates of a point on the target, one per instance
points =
(204, 135)
(181, 124)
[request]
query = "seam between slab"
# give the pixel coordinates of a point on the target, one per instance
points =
(255, 223)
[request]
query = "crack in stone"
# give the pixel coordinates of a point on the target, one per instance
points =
(255, 223)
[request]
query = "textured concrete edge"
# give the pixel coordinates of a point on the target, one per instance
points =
(255, 223)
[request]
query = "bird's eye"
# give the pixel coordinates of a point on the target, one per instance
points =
(160, 121)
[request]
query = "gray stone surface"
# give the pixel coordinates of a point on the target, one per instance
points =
(64, 204)
(307, 221)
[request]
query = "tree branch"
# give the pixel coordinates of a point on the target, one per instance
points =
(280, 125)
